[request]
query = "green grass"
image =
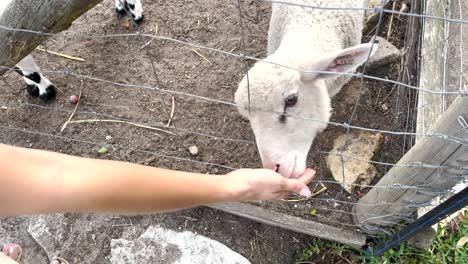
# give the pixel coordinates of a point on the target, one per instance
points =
(443, 250)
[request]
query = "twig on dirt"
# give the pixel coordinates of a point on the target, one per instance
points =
(324, 188)
(148, 160)
(159, 84)
(121, 122)
(61, 55)
(190, 28)
(151, 40)
(15, 91)
(130, 151)
(391, 91)
(117, 225)
(199, 54)
(74, 110)
(404, 8)
(391, 21)
(172, 112)
(60, 260)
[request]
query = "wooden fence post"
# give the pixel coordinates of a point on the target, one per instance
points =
(46, 16)
(410, 186)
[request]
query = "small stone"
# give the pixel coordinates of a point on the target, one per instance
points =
(193, 150)
(108, 138)
(73, 99)
(385, 54)
(384, 107)
(4, 107)
(126, 24)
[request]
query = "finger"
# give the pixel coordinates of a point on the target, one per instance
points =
(282, 195)
(307, 176)
(296, 186)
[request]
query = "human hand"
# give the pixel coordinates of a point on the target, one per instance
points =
(264, 184)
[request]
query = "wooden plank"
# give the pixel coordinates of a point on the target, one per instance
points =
(399, 203)
(444, 67)
(293, 223)
(444, 60)
(37, 15)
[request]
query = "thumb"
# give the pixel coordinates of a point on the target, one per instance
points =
(296, 186)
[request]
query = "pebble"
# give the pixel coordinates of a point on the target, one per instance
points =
(193, 150)
(73, 99)
(108, 138)
(126, 24)
(4, 107)
(384, 107)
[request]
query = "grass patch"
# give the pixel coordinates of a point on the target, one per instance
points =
(449, 247)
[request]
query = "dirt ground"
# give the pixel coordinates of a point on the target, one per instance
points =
(222, 136)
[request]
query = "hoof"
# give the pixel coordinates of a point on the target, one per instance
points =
(33, 90)
(120, 12)
(138, 20)
(50, 93)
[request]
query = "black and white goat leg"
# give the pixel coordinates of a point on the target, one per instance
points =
(134, 7)
(37, 84)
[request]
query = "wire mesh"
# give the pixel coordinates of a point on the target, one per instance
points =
(401, 89)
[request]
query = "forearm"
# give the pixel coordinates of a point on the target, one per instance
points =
(130, 188)
(43, 182)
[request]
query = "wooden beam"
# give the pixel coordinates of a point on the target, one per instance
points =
(397, 204)
(444, 59)
(293, 223)
(46, 16)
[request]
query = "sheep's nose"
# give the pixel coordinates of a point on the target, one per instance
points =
(277, 166)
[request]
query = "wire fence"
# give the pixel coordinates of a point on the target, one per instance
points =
(341, 202)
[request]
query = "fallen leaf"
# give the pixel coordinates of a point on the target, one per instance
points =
(103, 150)
(462, 242)
(313, 212)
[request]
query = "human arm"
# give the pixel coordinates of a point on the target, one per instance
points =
(34, 181)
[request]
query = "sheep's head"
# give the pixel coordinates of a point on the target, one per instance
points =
(288, 108)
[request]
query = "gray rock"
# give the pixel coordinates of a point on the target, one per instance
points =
(48, 231)
(159, 245)
(360, 148)
(423, 239)
(386, 53)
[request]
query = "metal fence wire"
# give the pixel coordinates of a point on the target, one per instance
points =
(320, 202)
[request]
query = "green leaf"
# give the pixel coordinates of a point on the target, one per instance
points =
(103, 150)
(313, 212)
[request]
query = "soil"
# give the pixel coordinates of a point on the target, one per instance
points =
(223, 137)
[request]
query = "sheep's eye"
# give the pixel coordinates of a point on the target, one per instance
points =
(290, 100)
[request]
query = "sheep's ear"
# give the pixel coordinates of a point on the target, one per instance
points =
(342, 61)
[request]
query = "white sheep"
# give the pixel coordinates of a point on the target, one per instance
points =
(37, 84)
(310, 40)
